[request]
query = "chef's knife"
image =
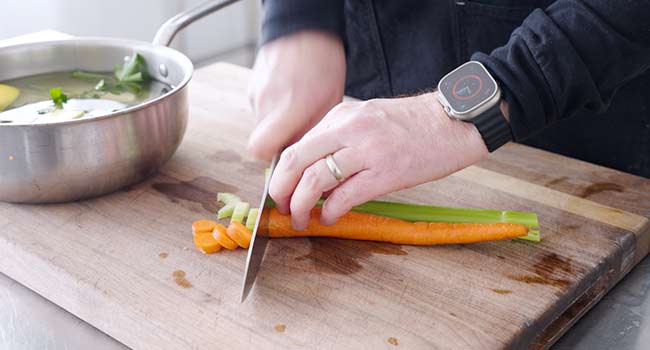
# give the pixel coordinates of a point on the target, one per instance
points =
(259, 239)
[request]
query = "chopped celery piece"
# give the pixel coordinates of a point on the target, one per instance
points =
(240, 212)
(252, 217)
(228, 198)
(67, 114)
(533, 236)
(430, 213)
(226, 211)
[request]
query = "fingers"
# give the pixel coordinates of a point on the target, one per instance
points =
(268, 138)
(275, 131)
(293, 163)
(318, 179)
(282, 126)
(296, 80)
(359, 189)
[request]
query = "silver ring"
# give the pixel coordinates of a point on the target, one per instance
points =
(334, 169)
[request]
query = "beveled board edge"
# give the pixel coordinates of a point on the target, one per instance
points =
(556, 329)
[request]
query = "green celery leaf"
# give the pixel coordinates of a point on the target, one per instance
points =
(133, 66)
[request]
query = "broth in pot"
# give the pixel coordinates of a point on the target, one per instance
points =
(63, 96)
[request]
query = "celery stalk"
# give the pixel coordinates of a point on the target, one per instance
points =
(430, 213)
(252, 217)
(228, 198)
(226, 211)
(240, 212)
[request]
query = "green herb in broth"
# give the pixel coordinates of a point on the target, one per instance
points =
(58, 97)
(131, 77)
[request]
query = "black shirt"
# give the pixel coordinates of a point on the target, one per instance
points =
(574, 72)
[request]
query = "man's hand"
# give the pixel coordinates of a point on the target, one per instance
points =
(296, 80)
(380, 146)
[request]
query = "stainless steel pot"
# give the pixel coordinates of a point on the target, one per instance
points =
(78, 159)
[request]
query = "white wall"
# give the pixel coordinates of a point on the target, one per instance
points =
(230, 28)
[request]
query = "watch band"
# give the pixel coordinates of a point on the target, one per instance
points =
(493, 127)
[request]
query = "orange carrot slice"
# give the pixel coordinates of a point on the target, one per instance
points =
(221, 235)
(203, 226)
(206, 243)
(240, 234)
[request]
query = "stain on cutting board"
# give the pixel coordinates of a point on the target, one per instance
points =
(600, 187)
(337, 256)
(202, 190)
(163, 255)
(553, 262)
(227, 156)
(179, 278)
(253, 167)
(546, 271)
(393, 341)
(533, 279)
(230, 156)
(280, 328)
(501, 291)
(557, 181)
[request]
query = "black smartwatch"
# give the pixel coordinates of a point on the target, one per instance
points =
(469, 93)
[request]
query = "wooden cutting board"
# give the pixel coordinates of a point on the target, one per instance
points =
(126, 264)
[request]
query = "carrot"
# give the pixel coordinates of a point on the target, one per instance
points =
(221, 235)
(368, 227)
(203, 226)
(206, 243)
(240, 234)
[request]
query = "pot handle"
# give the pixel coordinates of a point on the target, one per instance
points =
(172, 26)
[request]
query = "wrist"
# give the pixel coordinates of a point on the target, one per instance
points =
(463, 135)
(504, 110)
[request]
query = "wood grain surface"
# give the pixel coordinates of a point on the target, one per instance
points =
(126, 264)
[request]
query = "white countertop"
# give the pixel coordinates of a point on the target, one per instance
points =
(29, 321)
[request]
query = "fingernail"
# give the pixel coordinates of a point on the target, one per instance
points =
(282, 208)
(324, 221)
(298, 225)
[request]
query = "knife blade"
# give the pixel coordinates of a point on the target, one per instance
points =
(259, 239)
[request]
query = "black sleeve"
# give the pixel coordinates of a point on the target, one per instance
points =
(283, 17)
(571, 57)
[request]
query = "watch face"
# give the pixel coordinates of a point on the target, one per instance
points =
(467, 87)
